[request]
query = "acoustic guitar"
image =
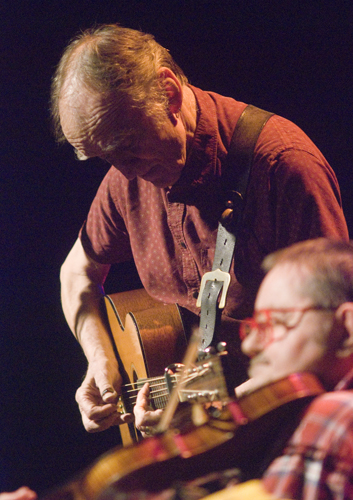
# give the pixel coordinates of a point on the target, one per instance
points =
(245, 437)
(150, 337)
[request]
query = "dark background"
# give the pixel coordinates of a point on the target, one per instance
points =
(293, 58)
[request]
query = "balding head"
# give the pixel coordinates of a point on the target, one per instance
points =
(116, 63)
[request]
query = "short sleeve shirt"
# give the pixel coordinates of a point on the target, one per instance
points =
(293, 195)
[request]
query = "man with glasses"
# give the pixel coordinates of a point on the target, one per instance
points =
(303, 322)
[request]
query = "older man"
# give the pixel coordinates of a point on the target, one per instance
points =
(308, 326)
(118, 95)
(303, 322)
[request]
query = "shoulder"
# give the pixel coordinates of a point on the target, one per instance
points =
(335, 403)
(281, 138)
(328, 422)
(285, 152)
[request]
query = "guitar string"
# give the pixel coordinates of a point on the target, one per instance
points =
(154, 387)
(154, 382)
(158, 390)
(143, 380)
(133, 399)
(162, 391)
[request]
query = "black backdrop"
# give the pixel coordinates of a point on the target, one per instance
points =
(290, 57)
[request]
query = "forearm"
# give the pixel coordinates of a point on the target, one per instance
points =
(81, 294)
(82, 282)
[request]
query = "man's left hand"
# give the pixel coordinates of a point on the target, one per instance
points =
(146, 419)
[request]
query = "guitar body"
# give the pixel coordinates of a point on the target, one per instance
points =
(148, 336)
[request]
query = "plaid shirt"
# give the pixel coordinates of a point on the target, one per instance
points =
(317, 462)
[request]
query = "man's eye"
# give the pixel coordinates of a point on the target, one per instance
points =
(279, 321)
(264, 326)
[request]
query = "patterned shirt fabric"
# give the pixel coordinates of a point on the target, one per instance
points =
(293, 195)
(317, 462)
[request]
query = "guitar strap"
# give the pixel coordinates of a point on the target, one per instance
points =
(234, 185)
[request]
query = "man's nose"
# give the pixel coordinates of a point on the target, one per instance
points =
(252, 344)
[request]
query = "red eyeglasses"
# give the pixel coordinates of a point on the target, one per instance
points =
(264, 320)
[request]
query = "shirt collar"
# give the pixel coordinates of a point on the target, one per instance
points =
(201, 164)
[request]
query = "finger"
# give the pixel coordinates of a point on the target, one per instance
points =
(109, 395)
(149, 418)
(146, 431)
(127, 418)
(98, 412)
(102, 424)
(152, 428)
(105, 386)
(142, 400)
(106, 422)
(90, 404)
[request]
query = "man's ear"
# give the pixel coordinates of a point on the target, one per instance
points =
(173, 88)
(344, 316)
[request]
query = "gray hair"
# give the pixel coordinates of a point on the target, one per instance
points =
(327, 268)
(118, 62)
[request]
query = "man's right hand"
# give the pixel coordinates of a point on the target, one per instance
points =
(97, 398)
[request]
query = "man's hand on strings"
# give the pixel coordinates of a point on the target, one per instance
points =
(146, 419)
(97, 398)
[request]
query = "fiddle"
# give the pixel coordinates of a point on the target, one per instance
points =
(246, 434)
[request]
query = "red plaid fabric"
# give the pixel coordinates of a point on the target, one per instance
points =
(317, 463)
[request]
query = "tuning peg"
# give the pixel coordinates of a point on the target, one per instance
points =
(201, 355)
(210, 351)
(221, 346)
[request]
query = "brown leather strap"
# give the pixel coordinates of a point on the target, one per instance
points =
(235, 181)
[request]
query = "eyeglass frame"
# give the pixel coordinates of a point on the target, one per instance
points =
(255, 324)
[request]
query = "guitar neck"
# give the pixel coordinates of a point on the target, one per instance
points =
(203, 382)
(159, 393)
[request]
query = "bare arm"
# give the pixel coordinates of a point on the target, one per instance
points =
(81, 294)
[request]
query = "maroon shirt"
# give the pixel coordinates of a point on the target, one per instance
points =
(293, 195)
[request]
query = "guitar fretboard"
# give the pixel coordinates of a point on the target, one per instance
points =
(159, 392)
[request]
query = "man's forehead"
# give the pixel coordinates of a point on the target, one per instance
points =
(283, 286)
(94, 126)
(81, 114)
